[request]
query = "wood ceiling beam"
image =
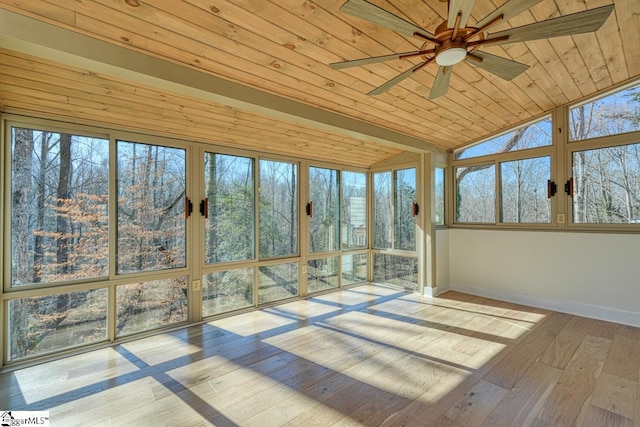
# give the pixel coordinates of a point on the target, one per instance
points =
(27, 35)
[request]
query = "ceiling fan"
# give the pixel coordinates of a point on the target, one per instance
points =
(455, 41)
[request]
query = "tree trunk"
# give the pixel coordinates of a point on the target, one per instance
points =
(63, 194)
(38, 256)
(21, 205)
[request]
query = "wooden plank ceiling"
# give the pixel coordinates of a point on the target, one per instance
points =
(37, 87)
(283, 47)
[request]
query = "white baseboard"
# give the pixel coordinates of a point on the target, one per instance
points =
(586, 310)
(431, 292)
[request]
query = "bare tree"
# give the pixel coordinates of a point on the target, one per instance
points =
(20, 201)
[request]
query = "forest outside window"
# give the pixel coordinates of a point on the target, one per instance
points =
(224, 291)
(382, 208)
(151, 222)
(278, 209)
(511, 174)
(45, 324)
(534, 135)
(324, 223)
(475, 194)
(277, 282)
(405, 197)
(523, 187)
(150, 305)
(439, 196)
(394, 195)
(59, 209)
(230, 223)
(613, 114)
(606, 185)
(394, 260)
(605, 159)
(337, 222)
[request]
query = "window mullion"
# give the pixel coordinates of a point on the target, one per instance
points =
(561, 168)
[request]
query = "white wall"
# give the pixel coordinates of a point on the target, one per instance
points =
(442, 260)
(590, 274)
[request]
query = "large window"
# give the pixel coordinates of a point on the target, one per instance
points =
(394, 197)
(59, 209)
(324, 224)
(151, 207)
(405, 198)
(229, 227)
(278, 209)
(523, 185)
(394, 259)
(382, 208)
(439, 196)
(513, 178)
(337, 212)
(354, 210)
(476, 194)
(607, 185)
(113, 234)
(512, 186)
(63, 233)
(605, 159)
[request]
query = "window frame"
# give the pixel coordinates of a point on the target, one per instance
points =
(54, 127)
(392, 167)
(299, 166)
(202, 268)
(201, 164)
(594, 143)
(503, 132)
(496, 160)
(445, 209)
(598, 143)
(341, 251)
(115, 223)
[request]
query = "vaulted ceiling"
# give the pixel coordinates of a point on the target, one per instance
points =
(282, 49)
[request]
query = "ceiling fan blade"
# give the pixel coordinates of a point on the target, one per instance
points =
(365, 10)
(462, 7)
(508, 10)
(376, 59)
(400, 77)
(441, 83)
(576, 23)
(504, 68)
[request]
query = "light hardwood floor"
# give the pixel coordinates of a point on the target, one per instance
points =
(364, 356)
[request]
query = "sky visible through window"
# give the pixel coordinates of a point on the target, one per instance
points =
(537, 134)
(611, 115)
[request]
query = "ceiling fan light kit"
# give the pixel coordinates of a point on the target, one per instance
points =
(451, 56)
(454, 41)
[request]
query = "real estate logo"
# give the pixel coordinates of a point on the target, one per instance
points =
(24, 418)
